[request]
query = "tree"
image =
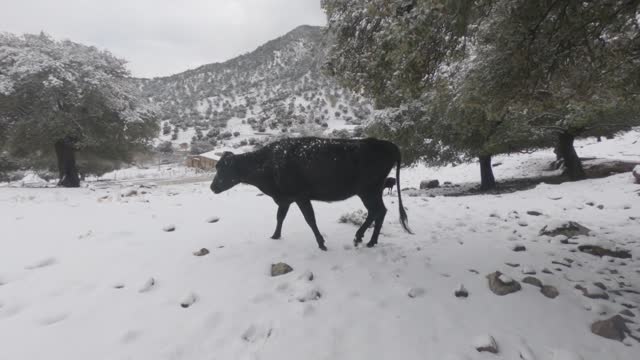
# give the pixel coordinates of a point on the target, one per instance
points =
(66, 96)
(576, 68)
(465, 79)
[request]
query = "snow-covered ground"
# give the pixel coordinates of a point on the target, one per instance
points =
(91, 274)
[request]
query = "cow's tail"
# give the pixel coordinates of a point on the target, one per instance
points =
(403, 214)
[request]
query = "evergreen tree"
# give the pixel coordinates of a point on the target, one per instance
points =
(64, 96)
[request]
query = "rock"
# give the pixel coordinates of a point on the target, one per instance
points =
(600, 285)
(528, 270)
(502, 285)
(416, 292)
(546, 271)
(518, 248)
(280, 269)
(613, 328)
(461, 292)
(600, 251)
(569, 229)
(129, 193)
(627, 312)
(590, 203)
(429, 184)
(549, 291)
(213, 219)
(512, 264)
(636, 173)
(169, 228)
(592, 292)
(532, 281)
(201, 252)
(534, 213)
(600, 206)
(188, 301)
(485, 343)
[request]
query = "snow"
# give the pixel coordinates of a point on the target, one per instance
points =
(82, 278)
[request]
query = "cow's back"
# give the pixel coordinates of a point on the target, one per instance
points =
(329, 169)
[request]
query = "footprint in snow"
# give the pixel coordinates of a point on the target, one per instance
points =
(148, 285)
(53, 319)
(130, 336)
(255, 333)
(42, 263)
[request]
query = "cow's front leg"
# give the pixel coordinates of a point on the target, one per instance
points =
(310, 217)
(283, 208)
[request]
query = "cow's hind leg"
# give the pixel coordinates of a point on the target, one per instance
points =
(382, 211)
(283, 208)
(310, 217)
(373, 209)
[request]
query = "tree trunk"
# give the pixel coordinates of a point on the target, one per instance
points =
(487, 181)
(572, 162)
(66, 155)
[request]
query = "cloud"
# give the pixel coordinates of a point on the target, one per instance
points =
(163, 37)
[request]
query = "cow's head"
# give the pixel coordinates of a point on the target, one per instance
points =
(227, 175)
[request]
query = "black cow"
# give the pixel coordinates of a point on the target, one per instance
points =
(303, 169)
(389, 183)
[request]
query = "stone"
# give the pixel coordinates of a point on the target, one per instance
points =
(600, 285)
(188, 300)
(485, 343)
(502, 285)
(429, 184)
(519, 248)
(169, 228)
(213, 219)
(593, 292)
(547, 271)
(201, 252)
(549, 291)
(569, 229)
(512, 264)
(528, 270)
(600, 251)
(280, 269)
(461, 292)
(532, 281)
(534, 213)
(627, 312)
(614, 328)
(600, 206)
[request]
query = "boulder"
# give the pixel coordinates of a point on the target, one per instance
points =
(429, 184)
(501, 284)
(549, 291)
(614, 328)
(569, 229)
(280, 269)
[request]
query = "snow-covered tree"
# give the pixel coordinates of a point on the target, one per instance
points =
(65, 96)
(462, 79)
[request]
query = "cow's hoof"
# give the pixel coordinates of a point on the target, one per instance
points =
(275, 237)
(357, 242)
(370, 244)
(323, 248)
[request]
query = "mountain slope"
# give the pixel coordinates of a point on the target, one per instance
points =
(279, 87)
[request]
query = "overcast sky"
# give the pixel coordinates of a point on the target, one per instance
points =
(162, 37)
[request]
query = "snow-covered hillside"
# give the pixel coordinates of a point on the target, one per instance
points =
(91, 273)
(279, 87)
